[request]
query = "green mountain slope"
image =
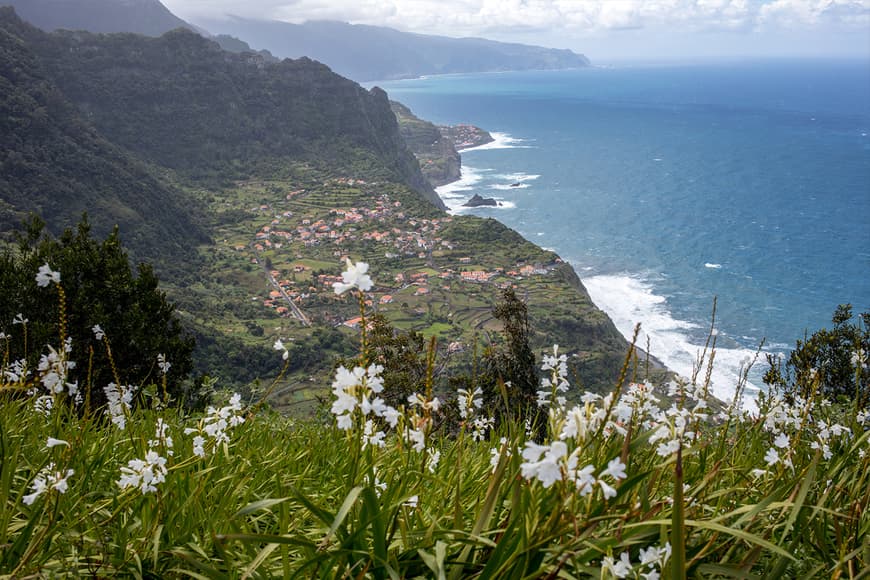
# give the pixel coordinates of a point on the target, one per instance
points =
(366, 53)
(55, 164)
(181, 102)
(295, 168)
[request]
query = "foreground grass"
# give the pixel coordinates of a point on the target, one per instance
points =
(284, 498)
(635, 484)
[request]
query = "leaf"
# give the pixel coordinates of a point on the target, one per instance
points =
(259, 505)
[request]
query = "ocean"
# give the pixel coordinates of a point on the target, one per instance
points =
(668, 186)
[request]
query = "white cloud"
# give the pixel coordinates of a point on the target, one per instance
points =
(578, 17)
(801, 13)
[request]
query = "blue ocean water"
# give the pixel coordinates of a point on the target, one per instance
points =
(667, 186)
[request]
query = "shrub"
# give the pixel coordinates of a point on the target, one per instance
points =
(834, 362)
(97, 290)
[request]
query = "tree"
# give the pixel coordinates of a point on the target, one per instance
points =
(98, 288)
(513, 364)
(834, 362)
(403, 356)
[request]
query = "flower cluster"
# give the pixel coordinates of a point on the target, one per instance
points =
(557, 382)
(16, 371)
(47, 479)
(54, 369)
(469, 402)
(652, 558)
(162, 364)
(144, 474)
(162, 438)
(551, 463)
(120, 401)
(419, 421)
(799, 420)
(356, 396)
(215, 426)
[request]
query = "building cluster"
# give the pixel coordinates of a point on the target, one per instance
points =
(343, 226)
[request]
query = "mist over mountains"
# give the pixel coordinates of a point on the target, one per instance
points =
(148, 17)
(359, 52)
(369, 53)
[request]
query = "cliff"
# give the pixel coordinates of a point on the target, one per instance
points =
(57, 165)
(181, 102)
(437, 147)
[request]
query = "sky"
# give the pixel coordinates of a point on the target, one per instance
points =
(604, 30)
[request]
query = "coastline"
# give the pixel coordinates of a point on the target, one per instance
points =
(624, 299)
(445, 192)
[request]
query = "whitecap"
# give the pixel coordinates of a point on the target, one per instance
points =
(454, 194)
(712, 266)
(514, 177)
(500, 141)
(629, 300)
(508, 186)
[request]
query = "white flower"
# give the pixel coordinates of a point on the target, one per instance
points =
(162, 438)
(45, 480)
(120, 399)
(144, 474)
(354, 276)
(469, 402)
(44, 404)
(46, 276)
(781, 441)
(609, 491)
(371, 436)
(279, 346)
(99, 334)
(19, 319)
(54, 368)
(547, 470)
(772, 456)
(615, 469)
(619, 569)
(162, 364)
(199, 446)
(417, 437)
(655, 556)
(52, 442)
(432, 463)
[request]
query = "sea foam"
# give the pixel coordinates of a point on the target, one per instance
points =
(501, 141)
(629, 300)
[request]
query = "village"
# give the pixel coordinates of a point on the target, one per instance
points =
(297, 245)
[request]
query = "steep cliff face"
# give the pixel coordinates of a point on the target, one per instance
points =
(181, 102)
(437, 147)
(55, 164)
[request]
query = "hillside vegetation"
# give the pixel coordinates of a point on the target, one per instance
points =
(462, 485)
(248, 183)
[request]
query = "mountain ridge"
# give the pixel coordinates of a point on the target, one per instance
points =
(371, 53)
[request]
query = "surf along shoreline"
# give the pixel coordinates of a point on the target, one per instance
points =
(455, 193)
(455, 202)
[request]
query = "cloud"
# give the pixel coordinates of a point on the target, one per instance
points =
(803, 13)
(481, 17)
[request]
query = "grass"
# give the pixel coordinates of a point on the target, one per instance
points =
(669, 489)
